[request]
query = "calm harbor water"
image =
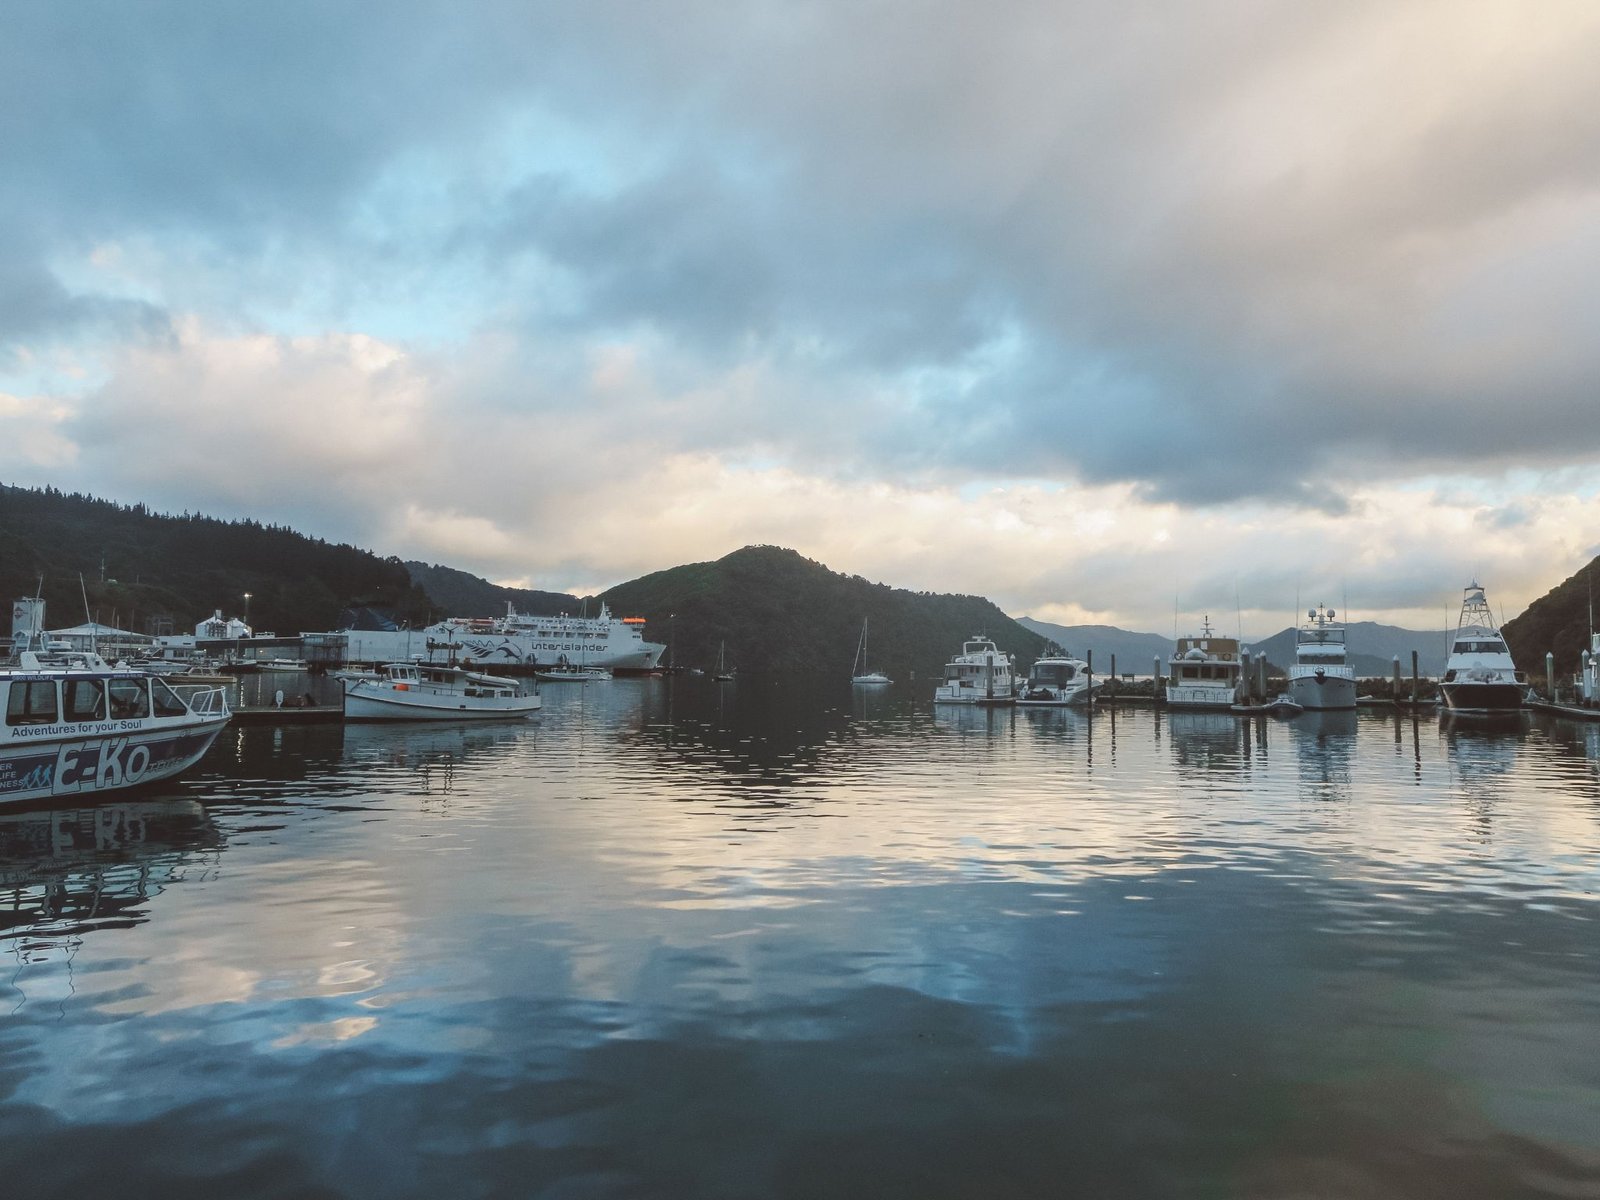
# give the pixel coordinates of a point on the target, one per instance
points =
(676, 939)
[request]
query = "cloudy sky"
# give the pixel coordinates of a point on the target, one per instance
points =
(1101, 309)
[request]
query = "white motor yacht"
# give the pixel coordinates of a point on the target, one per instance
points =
(1058, 679)
(1204, 671)
(75, 725)
(980, 674)
(418, 692)
(1321, 677)
(1479, 675)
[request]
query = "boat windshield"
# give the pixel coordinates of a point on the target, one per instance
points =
(1054, 674)
(1492, 646)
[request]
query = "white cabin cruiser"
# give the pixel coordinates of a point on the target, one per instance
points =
(1058, 679)
(77, 726)
(1479, 675)
(419, 692)
(1204, 671)
(980, 674)
(1321, 676)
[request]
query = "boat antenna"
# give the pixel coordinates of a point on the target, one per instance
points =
(94, 643)
(1238, 609)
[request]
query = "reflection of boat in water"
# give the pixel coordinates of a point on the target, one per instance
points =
(976, 718)
(1479, 675)
(1326, 723)
(75, 725)
(423, 747)
(1202, 738)
(69, 869)
(412, 692)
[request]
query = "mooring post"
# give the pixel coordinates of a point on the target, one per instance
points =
(1415, 695)
(1396, 692)
(1113, 676)
(1550, 675)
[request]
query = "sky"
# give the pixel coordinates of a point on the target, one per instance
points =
(1113, 312)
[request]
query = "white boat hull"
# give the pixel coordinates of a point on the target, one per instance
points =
(91, 764)
(1324, 692)
(964, 695)
(1200, 697)
(1053, 697)
(366, 703)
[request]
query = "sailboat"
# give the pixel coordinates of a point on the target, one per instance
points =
(859, 673)
(723, 675)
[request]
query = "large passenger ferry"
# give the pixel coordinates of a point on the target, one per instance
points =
(516, 641)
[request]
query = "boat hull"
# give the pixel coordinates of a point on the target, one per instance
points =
(1201, 698)
(1483, 697)
(372, 704)
(1323, 692)
(958, 695)
(101, 763)
(1052, 697)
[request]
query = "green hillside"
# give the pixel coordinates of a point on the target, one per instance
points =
(462, 595)
(137, 565)
(779, 612)
(1556, 622)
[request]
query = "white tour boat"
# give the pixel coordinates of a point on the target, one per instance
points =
(980, 674)
(1204, 671)
(565, 672)
(1321, 676)
(77, 726)
(419, 692)
(1479, 675)
(858, 670)
(1058, 679)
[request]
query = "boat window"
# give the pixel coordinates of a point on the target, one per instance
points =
(167, 702)
(32, 702)
(84, 699)
(130, 699)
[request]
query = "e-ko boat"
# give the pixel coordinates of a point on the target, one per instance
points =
(1204, 671)
(76, 726)
(1058, 679)
(1321, 676)
(417, 692)
(980, 674)
(1479, 676)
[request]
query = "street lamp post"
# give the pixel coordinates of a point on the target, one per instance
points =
(247, 612)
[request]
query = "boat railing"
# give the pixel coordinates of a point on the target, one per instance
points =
(208, 702)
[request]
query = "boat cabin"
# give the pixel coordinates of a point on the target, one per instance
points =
(52, 698)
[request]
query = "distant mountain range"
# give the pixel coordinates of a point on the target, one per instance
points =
(1373, 647)
(1135, 652)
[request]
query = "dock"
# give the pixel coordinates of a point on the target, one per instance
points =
(1565, 710)
(308, 714)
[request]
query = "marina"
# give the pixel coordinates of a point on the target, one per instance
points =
(622, 947)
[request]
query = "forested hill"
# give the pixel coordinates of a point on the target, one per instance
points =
(137, 565)
(462, 595)
(1556, 622)
(780, 612)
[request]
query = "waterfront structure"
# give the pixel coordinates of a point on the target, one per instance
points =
(981, 674)
(1204, 671)
(1479, 675)
(1321, 676)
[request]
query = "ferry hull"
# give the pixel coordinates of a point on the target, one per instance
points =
(1323, 692)
(102, 763)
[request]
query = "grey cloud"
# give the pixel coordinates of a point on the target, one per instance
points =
(1044, 239)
